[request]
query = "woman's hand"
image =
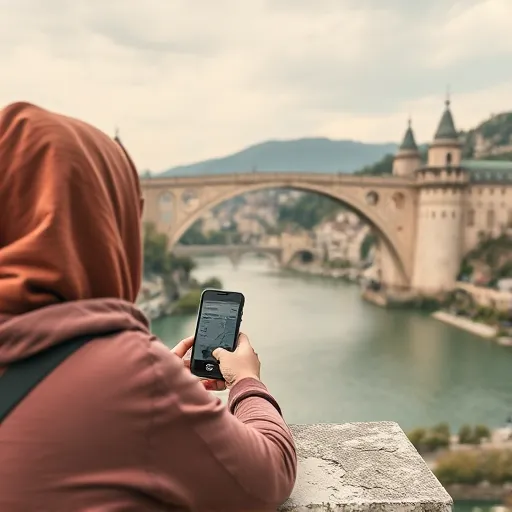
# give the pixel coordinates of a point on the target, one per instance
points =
(183, 350)
(240, 364)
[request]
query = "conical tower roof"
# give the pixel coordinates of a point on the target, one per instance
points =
(446, 128)
(409, 143)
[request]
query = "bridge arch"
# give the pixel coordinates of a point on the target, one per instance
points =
(299, 251)
(367, 205)
(272, 257)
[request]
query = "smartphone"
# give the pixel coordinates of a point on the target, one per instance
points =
(218, 324)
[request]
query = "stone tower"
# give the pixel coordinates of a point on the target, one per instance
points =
(439, 230)
(407, 160)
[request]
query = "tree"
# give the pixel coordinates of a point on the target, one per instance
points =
(465, 435)
(482, 432)
(308, 211)
(417, 437)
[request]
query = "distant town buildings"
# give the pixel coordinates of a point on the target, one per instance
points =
(341, 238)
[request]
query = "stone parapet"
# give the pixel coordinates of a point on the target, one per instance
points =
(359, 467)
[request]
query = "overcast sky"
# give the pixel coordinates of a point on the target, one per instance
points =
(187, 80)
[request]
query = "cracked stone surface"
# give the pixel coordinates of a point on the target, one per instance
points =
(359, 467)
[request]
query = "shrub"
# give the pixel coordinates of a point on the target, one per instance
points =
(481, 432)
(474, 467)
(458, 468)
(189, 302)
(434, 441)
(212, 282)
(468, 435)
(417, 437)
(429, 440)
(442, 429)
(465, 435)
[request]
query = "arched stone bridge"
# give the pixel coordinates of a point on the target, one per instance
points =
(280, 255)
(388, 203)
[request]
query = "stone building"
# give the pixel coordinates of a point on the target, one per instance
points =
(459, 202)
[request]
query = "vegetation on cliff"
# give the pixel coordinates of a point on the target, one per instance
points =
(189, 302)
(496, 133)
(489, 261)
(308, 211)
(175, 271)
(158, 261)
(195, 235)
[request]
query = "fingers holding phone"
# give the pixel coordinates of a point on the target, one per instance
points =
(242, 363)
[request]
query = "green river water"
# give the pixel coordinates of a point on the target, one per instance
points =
(328, 356)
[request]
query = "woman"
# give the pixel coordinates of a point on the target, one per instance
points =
(121, 424)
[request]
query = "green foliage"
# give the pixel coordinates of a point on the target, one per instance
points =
(338, 264)
(435, 441)
(156, 256)
(308, 211)
(442, 429)
(492, 253)
(482, 432)
(369, 242)
(417, 437)
(195, 236)
(189, 302)
(497, 130)
(475, 435)
(465, 435)
(380, 168)
(158, 260)
(432, 439)
(474, 467)
(212, 283)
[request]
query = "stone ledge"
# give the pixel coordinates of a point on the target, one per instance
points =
(359, 467)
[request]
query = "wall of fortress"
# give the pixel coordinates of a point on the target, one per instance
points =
(488, 212)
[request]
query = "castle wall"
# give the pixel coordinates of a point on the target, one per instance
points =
(488, 213)
(439, 239)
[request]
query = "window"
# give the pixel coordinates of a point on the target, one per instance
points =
(448, 159)
(490, 219)
(443, 215)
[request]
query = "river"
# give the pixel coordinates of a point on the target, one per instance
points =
(328, 356)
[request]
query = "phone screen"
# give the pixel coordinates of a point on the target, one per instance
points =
(217, 326)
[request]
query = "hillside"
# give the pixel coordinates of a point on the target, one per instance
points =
(491, 140)
(302, 155)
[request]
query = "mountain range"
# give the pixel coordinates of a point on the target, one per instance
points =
(491, 139)
(300, 155)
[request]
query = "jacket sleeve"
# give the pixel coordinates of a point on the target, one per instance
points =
(210, 457)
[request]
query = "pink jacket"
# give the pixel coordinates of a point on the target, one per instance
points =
(122, 426)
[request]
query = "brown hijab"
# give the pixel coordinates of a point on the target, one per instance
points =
(70, 207)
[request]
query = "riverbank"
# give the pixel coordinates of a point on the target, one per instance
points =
(482, 330)
(479, 329)
(474, 465)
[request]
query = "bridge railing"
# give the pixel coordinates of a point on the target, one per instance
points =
(358, 467)
(284, 176)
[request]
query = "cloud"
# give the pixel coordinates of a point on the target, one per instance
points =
(187, 80)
